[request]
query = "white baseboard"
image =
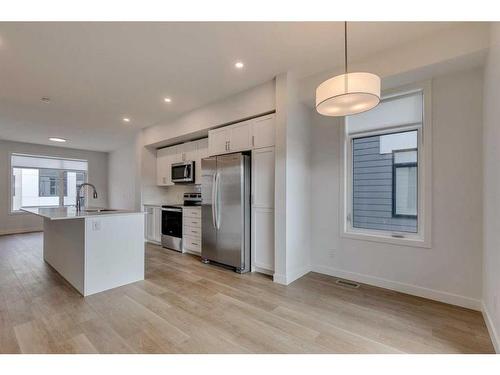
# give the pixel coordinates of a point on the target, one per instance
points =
(19, 231)
(436, 295)
(291, 276)
(491, 329)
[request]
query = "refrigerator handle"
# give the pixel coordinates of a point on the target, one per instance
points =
(214, 187)
(217, 213)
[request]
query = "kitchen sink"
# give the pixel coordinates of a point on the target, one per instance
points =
(99, 210)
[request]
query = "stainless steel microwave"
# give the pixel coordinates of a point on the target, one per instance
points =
(183, 173)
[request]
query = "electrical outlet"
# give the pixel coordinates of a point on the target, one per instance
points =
(96, 225)
(332, 252)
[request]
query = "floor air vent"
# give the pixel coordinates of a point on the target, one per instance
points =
(347, 283)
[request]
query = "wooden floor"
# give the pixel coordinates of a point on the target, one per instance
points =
(184, 306)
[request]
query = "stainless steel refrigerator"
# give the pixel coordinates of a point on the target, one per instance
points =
(225, 193)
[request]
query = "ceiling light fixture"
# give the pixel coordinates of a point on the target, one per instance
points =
(167, 100)
(55, 139)
(348, 93)
(126, 119)
(239, 65)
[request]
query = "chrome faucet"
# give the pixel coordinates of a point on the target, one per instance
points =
(80, 198)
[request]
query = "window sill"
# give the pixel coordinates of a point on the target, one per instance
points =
(411, 242)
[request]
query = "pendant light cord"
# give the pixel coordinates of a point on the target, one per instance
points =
(345, 46)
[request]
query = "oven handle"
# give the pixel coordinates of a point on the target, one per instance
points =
(172, 209)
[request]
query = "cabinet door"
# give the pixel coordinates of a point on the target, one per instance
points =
(217, 141)
(202, 154)
(240, 137)
(176, 154)
(157, 224)
(263, 177)
(162, 167)
(263, 239)
(263, 132)
(190, 151)
(149, 228)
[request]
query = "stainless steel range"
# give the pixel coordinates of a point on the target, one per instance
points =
(171, 221)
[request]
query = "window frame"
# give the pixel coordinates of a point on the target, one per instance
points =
(424, 176)
(395, 166)
(61, 183)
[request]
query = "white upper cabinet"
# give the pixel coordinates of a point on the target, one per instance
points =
(189, 151)
(163, 163)
(218, 140)
(263, 131)
(240, 137)
(243, 136)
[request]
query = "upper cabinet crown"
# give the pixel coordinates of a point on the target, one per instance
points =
(243, 136)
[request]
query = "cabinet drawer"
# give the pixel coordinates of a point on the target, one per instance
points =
(191, 212)
(192, 244)
(191, 231)
(191, 221)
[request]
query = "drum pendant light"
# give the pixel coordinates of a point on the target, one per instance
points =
(348, 93)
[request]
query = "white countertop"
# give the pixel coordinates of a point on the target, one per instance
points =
(63, 213)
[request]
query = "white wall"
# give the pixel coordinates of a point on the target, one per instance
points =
(124, 165)
(292, 186)
(451, 269)
(491, 154)
(21, 222)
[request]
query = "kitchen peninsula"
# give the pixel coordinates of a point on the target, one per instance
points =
(93, 249)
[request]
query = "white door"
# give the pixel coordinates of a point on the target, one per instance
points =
(240, 137)
(263, 209)
(263, 132)
(218, 141)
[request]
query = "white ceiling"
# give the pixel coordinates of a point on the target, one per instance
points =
(97, 73)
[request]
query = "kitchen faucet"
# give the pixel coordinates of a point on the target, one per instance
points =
(79, 198)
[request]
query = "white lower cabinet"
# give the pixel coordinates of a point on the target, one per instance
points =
(191, 230)
(153, 224)
(263, 240)
(263, 167)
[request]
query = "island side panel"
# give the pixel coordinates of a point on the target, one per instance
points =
(114, 251)
(64, 248)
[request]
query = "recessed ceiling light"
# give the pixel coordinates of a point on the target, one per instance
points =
(55, 139)
(45, 99)
(126, 119)
(167, 100)
(239, 65)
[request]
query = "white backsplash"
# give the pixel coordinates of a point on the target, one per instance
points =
(167, 194)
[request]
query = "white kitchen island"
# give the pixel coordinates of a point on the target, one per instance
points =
(94, 250)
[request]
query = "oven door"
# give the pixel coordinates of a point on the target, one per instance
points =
(183, 172)
(171, 228)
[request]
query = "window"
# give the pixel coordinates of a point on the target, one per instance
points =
(43, 181)
(384, 195)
